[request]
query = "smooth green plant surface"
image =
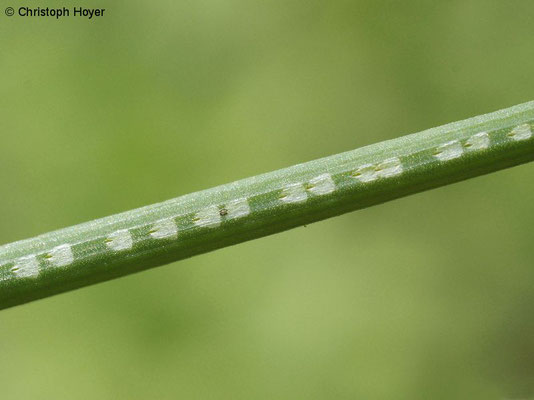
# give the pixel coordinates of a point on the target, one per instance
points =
(200, 222)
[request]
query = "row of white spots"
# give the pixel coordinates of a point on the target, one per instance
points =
(454, 149)
(121, 240)
(29, 266)
(479, 141)
(323, 184)
(385, 169)
(211, 216)
(166, 228)
(298, 192)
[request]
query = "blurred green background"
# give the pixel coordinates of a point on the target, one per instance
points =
(430, 296)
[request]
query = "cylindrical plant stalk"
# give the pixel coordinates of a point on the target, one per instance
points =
(225, 215)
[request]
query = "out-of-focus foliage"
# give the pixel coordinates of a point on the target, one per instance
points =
(430, 296)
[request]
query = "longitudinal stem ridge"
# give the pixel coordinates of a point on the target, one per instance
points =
(262, 205)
